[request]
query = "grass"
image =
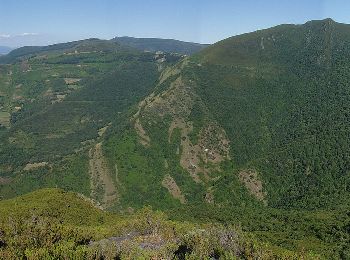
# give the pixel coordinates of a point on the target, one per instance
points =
(53, 224)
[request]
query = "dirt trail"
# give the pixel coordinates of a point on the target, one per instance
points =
(143, 137)
(101, 179)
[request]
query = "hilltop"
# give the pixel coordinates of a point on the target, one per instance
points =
(82, 46)
(164, 45)
(113, 45)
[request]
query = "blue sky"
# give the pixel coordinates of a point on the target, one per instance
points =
(39, 22)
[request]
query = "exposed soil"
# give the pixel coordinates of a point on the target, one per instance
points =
(199, 159)
(5, 180)
(176, 101)
(101, 179)
(251, 181)
(209, 196)
(169, 183)
(212, 148)
(25, 67)
(70, 81)
(143, 137)
(33, 166)
(103, 130)
(190, 158)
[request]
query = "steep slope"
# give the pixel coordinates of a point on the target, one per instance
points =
(267, 108)
(282, 96)
(56, 106)
(164, 45)
(251, 128)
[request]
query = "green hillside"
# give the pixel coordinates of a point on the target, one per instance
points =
(288, 88)
(56, 105)
(164, 45)
(251, 131)
(53, 224)
(85, 46)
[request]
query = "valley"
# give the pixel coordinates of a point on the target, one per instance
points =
(250, 133)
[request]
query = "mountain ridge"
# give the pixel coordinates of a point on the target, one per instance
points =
(158, 44)
(131, 43)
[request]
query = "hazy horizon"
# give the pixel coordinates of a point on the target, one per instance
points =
(41, 22)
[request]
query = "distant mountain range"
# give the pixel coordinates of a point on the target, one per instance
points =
(165, 45)
(140, 44)
(4, 50)
(88, 45)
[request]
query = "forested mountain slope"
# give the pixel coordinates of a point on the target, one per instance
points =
(164, 45)
(253, 125)
(268, 108)
(251, 130)
(282, 96)
(58, 103)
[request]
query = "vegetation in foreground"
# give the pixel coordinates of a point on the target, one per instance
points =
(53, 224)
(68, 108)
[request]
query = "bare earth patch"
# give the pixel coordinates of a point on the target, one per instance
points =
(211, 149)
(90, 200)
(25, 66)
(176, 101)
(5, 180)
(200, 157)
(103, 130)
(190, 159)
(101, 179)
(59, 98)
(209, 196)
(251, 181)
(33, 166)
(144, 138)
(70, 81)
(169, 183)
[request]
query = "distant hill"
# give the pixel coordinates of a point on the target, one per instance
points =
(165, 45)
(93, 44)
(4, 50)
(87, 45)
(83, 86)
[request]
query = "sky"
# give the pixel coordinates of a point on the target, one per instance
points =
(44, 22)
